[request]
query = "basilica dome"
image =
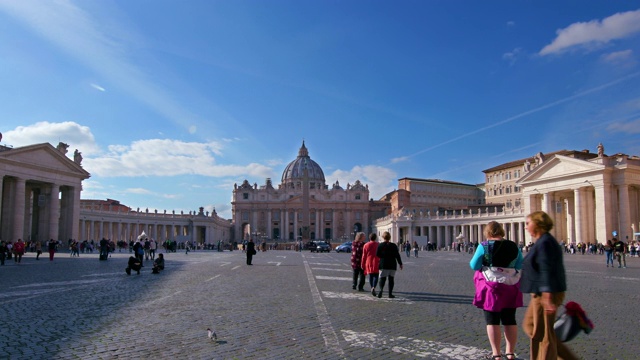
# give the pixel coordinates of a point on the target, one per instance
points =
(294, 171)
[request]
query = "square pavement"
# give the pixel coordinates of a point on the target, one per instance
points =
(288, 305)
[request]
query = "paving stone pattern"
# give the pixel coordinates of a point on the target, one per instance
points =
(288, 305)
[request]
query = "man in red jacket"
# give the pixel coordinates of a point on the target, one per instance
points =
(18, 251)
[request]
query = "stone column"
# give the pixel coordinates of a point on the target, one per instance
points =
(578, 215)
(624, 211)
(254, 223)
(334, 225)
(285, 225)
(19, 209)
(83, 230)
(268, 230)
(319, 224)
(604, 224)
(546, 204)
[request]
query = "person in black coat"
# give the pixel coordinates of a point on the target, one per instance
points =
(251, 250)
(133, 264)
(543, 276)
(389, 260)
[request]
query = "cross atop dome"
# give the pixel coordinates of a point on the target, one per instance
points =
(303, 152)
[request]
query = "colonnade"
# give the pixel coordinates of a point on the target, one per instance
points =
(34, 209)
(128, 231)
(444, 230)
(589, 214)
(198, 227)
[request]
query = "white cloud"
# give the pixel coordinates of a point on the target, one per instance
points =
(158, 157)
(629, 127)
(75, 135)
(399, 159)
(274, 162)
(98, 87)
(512, 56)
(164, 157)
(594, 32)
(380, 180)
(620, 58)
(511, 23)
(617, 56)
(140, 191)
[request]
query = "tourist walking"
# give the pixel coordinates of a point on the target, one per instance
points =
(147, 249)
(543, 276)
(3, 252)
(389, 260)
(74, 248)
(498, 294)
(356, 262)
(620, 249)
(407, 248)
(18, 251)
(370, 262)
(51, 246)
(104, 249)
(138, 251)
(153, 245)
(608, 251)
(251, 250)
(38, 249)
(416, 248)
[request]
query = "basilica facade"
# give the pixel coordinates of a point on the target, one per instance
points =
(302, 206)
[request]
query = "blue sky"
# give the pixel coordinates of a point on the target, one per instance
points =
(172, 102)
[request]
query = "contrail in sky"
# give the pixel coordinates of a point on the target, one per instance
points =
(528, 112)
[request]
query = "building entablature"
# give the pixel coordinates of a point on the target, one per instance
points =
(149, 217)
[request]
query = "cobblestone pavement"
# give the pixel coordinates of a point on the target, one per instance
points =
(287, 305)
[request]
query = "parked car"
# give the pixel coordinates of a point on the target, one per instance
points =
(344, 247)
(319, 246)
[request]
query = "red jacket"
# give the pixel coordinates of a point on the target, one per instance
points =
(18, 248)
(370, 262)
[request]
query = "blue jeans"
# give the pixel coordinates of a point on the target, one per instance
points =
(373, 280)
(609, 257)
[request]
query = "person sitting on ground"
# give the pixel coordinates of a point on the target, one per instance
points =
(158, 264)
(134, 264)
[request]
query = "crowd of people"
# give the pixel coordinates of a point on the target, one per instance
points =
(630, 247)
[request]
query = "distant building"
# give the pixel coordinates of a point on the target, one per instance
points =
(589, 196)
(435, 195)
(103, 205)
(501, 181)
(302, 206)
